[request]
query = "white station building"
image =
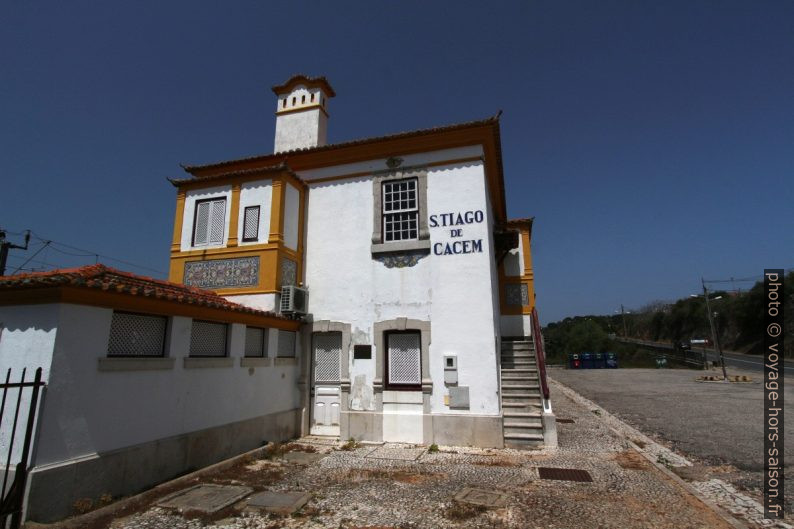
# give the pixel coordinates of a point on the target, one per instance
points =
(373, 289)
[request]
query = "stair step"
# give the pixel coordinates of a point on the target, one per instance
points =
(524, 426)
(517, 370)
(520, 386)
(520, 396)
(524, 436)
(524, 379)
(516, 414)
(527, 405)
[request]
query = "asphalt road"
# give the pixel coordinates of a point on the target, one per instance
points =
(732, 358)
(717, 423)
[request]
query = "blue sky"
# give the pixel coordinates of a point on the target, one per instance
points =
(652, 142)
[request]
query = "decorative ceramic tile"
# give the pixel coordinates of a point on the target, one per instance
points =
(289, 272)
(223, 273)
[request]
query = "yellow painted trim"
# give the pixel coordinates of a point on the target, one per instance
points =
(176, 242)
(224, 250)
(527, 278)
(301, 108)
(301, 231)
(234, 216)
(277, 212)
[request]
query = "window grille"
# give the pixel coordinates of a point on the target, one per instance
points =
(327, 357)
(251, 223)
(405, 359)
(137, 335)
(400, 210)
(255, 341)
(209, 224)
(208, 339)
(286, 343)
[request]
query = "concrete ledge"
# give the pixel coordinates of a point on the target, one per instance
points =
(54, 488)
(196, 361)
(255, 361)
(400, 246)
(289, 361)
(134, 364)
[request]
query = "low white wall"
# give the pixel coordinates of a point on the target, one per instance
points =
(27, 340)
(88, 411)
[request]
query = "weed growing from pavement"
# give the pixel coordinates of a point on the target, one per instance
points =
(596, 412)
(350, 445)
(433, 449)
(458, 512)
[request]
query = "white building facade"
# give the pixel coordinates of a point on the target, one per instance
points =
(418, 286)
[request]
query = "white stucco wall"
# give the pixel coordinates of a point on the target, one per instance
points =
(516, 325)
(268, 302)
(90, 411)
(258, 193)
(27, 341)
(514, 262)
(454, 292)
(291, 216)
(190, 208)
(299, 130)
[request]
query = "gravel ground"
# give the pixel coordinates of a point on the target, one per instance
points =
(714, 424)
(416, 488)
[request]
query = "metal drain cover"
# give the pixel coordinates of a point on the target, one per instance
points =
(564, 474)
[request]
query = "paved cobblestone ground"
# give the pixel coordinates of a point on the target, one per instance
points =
(352, 491)
(717, 426)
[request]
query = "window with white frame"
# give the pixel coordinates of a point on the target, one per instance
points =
(208, 338)
(137, 335)
(286, 344)
(255, 341)
(251, 224)
(209, 221)
(400, 210)
(404, 360)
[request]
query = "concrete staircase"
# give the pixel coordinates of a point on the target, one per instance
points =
(522, 404)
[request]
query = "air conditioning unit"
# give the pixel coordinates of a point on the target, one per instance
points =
(294, 300)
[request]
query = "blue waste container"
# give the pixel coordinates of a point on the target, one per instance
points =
(587, 360)
(598, 361)
(573, 361)
(611, 360)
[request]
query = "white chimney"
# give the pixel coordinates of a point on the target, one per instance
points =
(302, 113)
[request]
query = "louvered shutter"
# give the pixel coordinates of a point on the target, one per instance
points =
(405, 358)
(202, 222)
(251, 223)
(217, 220)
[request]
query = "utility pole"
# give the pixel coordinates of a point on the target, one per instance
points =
(5, 246)
(714, 336)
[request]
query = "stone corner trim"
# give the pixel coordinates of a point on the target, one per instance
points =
(134, 364)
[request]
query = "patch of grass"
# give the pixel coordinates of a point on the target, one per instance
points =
(457, 511)
(495, 462)
(83, 505)
(350, 445)
(433, 448)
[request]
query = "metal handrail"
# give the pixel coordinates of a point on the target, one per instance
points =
(540, 353)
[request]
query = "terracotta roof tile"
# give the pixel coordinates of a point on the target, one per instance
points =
(281, 155)
(110, 279)
(305, 80)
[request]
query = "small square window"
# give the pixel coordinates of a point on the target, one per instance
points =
(255, 342)
(137, 335)
(251, 224)
(208, 338)
(286, 344)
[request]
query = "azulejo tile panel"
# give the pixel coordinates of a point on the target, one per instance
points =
(289, 272)
(223, 273)
(517, 294)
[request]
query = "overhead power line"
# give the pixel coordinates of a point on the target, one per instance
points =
(74, 251)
